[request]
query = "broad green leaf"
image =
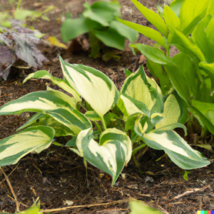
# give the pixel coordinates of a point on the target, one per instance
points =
(171, 18)
(152, 17)
(176, 7)
(34, 139)
(36, 102)
(71, 118)
(160, 75)
(56, 81)
(196, 11)
(42, 119)
(146, 31)
(176, 148)
(209, 69)
(111, 38)
(201, 39)
(210, 32)
(203, 120)
(210, 8)
(180, 40)
(110, 155)
(131, 106)
(207, 109)
(71, 28)
(125, 31)
(139, 207)
(100, 12)
(154, 54)
(188, 72)
(94, 86)
(140, 87)
(130, 123)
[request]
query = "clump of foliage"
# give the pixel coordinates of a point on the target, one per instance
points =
(190, 72)
(99, 21)
(111, 126)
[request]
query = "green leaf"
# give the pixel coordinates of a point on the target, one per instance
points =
(203, 120)
(180, 40)
(196, 11)
(36, 102)
(171, 18)
(154, 54)
(141, 88)
(210, 32)
(201, 38)
(93, 116)
(210, 8)
(152, 17)
(176, 148)
(146, 31)
(160, 74)
(176, 7)
(94, 86)
(173, 126)
(139, 207)
(71, 118)
(111, 154)
(209, 69)
(125, 31)
(102, 12)
(207, 109)
(131, 106)
(34, 139)
(56, 81)
(71, 28)
(111, 38)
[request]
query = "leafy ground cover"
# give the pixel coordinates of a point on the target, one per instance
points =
(58, 177)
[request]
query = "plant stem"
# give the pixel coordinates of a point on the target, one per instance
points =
(104, 123)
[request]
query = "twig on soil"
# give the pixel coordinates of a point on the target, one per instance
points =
(188, 192)
(10, 173)
(11, 189)
(163, 210)
(84, 206)
(15, 201)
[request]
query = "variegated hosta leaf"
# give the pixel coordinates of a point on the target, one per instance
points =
(131, 106)
(94, 86)
(71, 118)
(110, 155)
(46, 120)
(140, 87)
(64, 121)
(172, 112)
(176, 148)
(36, 102)
(34, 139)
(56, 81)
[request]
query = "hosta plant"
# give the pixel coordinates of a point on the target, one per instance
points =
(99, 21)
(190, 72)
(107, 127)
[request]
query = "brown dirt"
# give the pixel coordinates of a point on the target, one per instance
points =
(58, 176)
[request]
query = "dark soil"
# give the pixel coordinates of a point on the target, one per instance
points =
(57, 176)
